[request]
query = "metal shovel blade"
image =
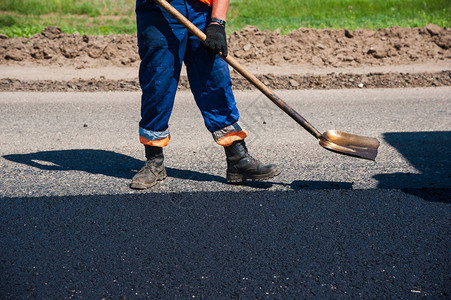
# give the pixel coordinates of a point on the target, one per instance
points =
(349, 144)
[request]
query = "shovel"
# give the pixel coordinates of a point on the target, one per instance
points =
(333, 140)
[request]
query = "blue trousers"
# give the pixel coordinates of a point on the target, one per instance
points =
(164, 44)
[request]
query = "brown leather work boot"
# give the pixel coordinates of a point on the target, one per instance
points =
(152, 172)
(241, 165)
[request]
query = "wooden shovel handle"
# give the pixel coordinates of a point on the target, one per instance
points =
(243, 71)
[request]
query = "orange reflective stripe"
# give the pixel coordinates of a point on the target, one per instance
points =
(157, 143)
(232, 137)
(206, 1)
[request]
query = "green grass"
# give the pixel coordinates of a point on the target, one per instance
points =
(93, 8)
(288, 15)
(95, 17)
(17, 25)
(27, 17)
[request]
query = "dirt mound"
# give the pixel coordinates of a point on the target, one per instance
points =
(322, 48)
(54, 47)
(343, 48)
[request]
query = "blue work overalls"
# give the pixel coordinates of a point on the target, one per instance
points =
(163, 45)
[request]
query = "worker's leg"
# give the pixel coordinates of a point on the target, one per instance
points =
(162, 43)
(210, 83)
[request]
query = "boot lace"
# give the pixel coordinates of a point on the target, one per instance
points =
(254, 160)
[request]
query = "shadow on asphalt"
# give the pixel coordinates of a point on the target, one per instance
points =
(88, 160)
(107, 163)
(122, 166)
(430, 154)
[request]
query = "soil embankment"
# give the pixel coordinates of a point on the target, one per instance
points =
(330, 50)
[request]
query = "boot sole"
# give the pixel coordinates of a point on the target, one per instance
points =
(237, 178)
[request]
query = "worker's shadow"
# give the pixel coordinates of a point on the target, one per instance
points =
(122, 166)
(88, 160)
(98, 162)
(108, 163)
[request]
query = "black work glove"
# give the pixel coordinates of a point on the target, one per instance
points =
(216, 39)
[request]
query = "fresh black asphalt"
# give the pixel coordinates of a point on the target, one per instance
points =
(276, 245)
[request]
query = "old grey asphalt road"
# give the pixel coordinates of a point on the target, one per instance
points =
(329, 226)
